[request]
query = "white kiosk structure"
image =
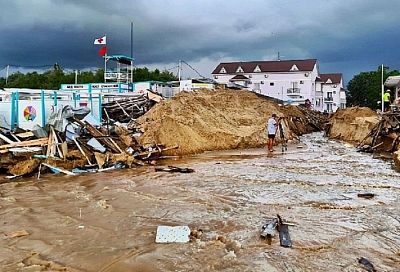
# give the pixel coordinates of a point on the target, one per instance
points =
(122, 72)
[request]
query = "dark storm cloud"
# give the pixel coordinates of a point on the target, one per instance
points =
(346, 36)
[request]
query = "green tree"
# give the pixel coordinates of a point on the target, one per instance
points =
(365, 89)
(52, 79)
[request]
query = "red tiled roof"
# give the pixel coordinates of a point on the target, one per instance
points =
(335, 78)
(266, 66)
(239, 77)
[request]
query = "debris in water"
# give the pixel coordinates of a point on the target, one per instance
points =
(284, 236)
(18, 233)
(230, 256)
(366, 264)
(366, 195)
(177, 234)
(269, 229)
(175, 169)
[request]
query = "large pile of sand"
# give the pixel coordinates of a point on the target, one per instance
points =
(212, 120)
(352, 124)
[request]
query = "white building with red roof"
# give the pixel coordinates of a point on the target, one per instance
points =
(292, 81)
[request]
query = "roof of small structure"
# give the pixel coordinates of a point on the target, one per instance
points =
(392, 81)
(239, 77)
(120, 58)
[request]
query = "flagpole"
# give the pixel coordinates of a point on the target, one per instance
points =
(105, 60)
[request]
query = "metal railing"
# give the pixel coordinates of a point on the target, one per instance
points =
(293, 90)
(328, 99)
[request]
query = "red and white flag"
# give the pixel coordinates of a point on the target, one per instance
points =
(102, 40)
(103, 51)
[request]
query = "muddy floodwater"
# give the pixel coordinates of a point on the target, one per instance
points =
(107, 221)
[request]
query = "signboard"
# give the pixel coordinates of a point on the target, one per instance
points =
(95, 86)
(29, 114)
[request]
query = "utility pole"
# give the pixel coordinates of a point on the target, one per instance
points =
(76, 76)
(179, 74)
(179, 70)
(8, 67)
(131, 39)
(382, 90)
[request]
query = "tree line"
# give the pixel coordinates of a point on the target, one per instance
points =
(52, 79)
(365, 89)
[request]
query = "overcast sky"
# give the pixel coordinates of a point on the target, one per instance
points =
(347, 36)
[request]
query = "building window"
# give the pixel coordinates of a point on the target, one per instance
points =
(334, 92)
(257, 69)
(215, 77)
(301, 81)
(250, 76)
(239, 70)
(271, 84)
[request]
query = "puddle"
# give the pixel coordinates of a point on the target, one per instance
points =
(107, 221)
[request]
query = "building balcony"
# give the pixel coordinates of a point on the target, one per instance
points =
(293, 91)
(328, 99)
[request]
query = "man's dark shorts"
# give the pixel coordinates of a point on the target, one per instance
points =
(271, 136)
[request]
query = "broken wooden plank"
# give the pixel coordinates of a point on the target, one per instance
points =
(40, 142)
(6, 139)
(59, 169)
(174, 169)
(18, 233)
(284, 236)
(366, 195)
(81, 150)
(50, 149)
(15, 137)
(25, 134)
(57, 143)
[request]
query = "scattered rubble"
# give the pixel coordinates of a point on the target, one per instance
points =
(74, 142)
(369, 131)
(137, 131)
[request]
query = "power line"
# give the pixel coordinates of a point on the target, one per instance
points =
(193, 69)
(31, 66)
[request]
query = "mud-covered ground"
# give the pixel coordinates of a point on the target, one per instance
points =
(108, 221)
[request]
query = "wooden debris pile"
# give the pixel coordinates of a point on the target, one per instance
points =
(126, 110)
(83, 145)
(384, 136)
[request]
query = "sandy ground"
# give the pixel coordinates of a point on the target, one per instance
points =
(352, 124)
(108, 221)
(216, 120)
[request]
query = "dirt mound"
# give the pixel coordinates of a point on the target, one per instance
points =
(352, 124)
(214, 120)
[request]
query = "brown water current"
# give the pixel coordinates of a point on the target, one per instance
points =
(107, 221)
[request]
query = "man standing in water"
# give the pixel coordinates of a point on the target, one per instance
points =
(271, 127)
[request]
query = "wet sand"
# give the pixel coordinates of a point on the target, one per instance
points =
(107, 221)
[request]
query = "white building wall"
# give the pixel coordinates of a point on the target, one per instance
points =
(276, 85)
(332, 90)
